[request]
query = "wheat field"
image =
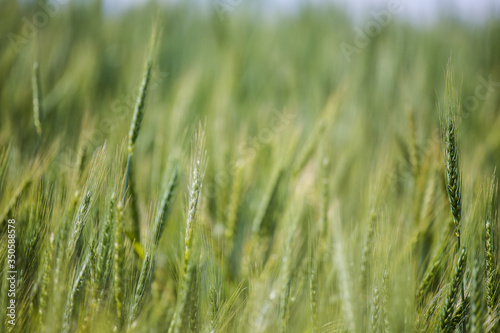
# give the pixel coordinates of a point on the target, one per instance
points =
(172, 169)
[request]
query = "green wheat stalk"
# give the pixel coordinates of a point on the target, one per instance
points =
(198, 168)
(140, 290)
(119, 262)
(165, 208)
(431, 272)
(459, 315)
(213, 308)
(105, 248)
(193, 305)
(37, 97)
(286, 278)
(79, 224)
(47, 272)
(325, 197)
(451, 155)
(490, 253)
(139, 109)
(70, 304)
(476, 304)
(234, 203)
(365, 253)
(313, 291)
(447, 314)
(22, 188)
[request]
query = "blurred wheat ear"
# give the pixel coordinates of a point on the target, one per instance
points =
(37, 97)
(492, 277)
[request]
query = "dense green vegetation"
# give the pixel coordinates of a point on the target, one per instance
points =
(170, 169)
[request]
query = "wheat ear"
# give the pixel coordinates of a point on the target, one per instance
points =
(70, 304)
(198, 167)
(81, 218)
(118, 262)
(139, 109)
(477, 315)
(453, 292)
(165, 208)
(47, 271)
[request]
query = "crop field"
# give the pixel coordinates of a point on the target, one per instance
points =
(188, 169)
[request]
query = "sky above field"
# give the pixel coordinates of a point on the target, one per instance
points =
(421, 11)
